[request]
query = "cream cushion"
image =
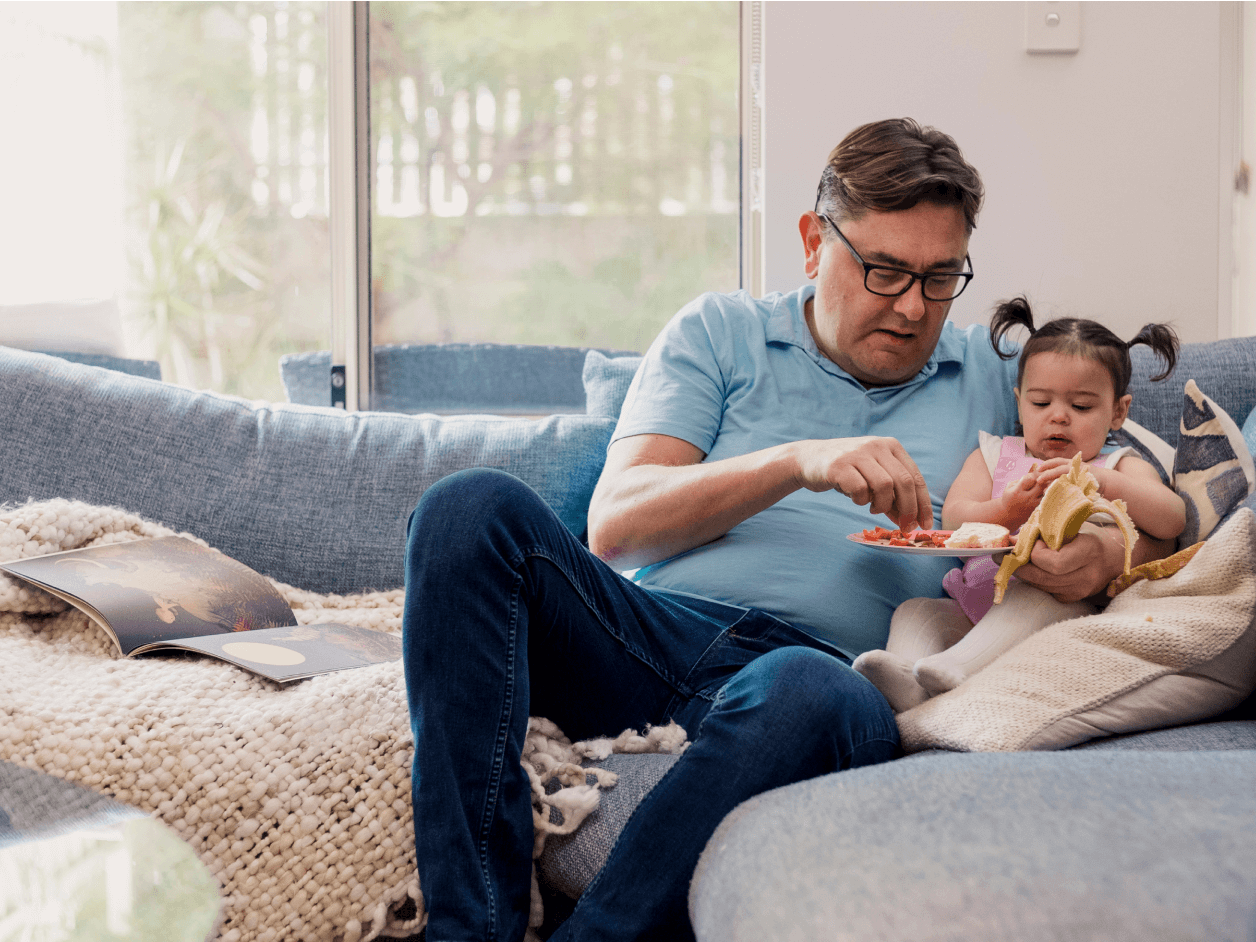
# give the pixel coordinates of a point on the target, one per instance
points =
(1165, 652)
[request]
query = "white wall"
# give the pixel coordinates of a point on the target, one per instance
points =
(1102, 168)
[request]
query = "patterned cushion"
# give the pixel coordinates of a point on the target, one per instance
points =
(1213, 469)
(1149, 446)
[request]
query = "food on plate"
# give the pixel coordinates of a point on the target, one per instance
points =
(974, 535)
(912, 538)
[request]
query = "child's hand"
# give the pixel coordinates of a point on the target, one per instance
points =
(1053, 468)
(1021, 496)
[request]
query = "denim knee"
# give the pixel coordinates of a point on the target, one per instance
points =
(809, 700)
(467, 503)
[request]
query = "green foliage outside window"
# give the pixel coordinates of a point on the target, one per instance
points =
(559, 173)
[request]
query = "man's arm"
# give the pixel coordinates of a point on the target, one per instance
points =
(657, 497)
(1084, 566)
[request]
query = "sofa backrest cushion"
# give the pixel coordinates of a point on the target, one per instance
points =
(1224, 369)
(504, 379)
(313, 497)
(606, 382)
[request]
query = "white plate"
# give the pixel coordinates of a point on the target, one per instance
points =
(958, 552)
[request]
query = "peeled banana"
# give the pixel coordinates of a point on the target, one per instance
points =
(1069, 502)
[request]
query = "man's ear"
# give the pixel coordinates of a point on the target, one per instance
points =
(1121, 412)
(811, 228)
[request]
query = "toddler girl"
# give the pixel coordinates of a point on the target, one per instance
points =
(1070, 393)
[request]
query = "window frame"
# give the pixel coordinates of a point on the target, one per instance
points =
(349, 210)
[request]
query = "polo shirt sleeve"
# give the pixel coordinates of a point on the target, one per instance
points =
(681, 385)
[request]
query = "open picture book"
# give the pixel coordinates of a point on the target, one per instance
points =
(170, 594)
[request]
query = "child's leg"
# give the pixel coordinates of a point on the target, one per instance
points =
(919, 627)
(1023, 611)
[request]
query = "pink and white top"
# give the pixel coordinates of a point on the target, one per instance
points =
(973, 584)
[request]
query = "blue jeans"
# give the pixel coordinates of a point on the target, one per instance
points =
(507, 615)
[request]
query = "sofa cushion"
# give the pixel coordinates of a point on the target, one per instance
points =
(312, 497)
(1212, 468)
(1218, 367)
(1114, 846)
(1249, 432)
(1164, 652)
(569, 862)
(504, 379)
(606, 382)
(1221, 735)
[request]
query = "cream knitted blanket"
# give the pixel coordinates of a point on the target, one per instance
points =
(1165, 652)
(296, 798)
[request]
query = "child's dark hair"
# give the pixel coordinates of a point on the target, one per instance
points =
(1076, 337)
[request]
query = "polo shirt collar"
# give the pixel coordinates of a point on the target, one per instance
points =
(788, 324)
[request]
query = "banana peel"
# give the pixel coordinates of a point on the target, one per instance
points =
(1069, 501)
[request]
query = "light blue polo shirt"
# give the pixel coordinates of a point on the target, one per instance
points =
(732, 374)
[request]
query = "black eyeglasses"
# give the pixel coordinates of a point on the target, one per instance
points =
(892, 282)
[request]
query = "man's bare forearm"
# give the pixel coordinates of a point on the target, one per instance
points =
(657, 497)
(642, 513)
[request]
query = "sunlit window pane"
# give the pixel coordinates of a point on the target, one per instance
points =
(174, 164)
(551, 173)
(227, 192)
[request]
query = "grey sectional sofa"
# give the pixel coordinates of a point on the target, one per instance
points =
(1146, 836)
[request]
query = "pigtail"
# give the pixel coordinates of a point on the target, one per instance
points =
(1009, 314)
(1163, 341)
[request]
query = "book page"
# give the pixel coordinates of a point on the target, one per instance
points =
(294, 652)
(148, 591)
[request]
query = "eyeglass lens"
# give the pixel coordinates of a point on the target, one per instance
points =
(890, 282)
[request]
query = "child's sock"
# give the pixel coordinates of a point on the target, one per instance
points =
(893, 677)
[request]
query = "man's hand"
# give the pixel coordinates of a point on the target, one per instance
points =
(657, 496)
(1084, 566)
(873, 471)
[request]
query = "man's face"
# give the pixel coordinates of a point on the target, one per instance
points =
(881, 341)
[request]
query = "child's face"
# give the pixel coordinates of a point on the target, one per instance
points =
(1067, 404)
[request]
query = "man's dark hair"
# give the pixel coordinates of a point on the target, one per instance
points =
(894, 164)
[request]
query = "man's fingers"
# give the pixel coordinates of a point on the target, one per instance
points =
(880, 474)
(911, 491)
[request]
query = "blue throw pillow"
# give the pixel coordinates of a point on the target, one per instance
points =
(1213, 470)
(606, 382)
(1249, 432)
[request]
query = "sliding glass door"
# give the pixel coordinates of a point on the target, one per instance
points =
(539, 174)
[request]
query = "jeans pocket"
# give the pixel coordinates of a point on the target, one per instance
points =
(754, 634)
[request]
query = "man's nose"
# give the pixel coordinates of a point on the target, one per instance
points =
(911, 303)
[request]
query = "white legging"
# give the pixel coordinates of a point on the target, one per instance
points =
(935, 635)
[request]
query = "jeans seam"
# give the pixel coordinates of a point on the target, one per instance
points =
(726, 637)
(665, 675)
(489, 812)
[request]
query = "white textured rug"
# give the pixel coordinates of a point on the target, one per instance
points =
(296, 798)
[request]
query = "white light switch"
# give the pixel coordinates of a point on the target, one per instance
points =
(1053, 26)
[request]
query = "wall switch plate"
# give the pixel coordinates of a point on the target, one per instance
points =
(1053, 26)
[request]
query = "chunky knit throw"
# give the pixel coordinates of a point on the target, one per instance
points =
(296, 798)
(1165, 652)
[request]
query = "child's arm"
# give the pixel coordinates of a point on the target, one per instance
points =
(1154, 508)
(969, 497)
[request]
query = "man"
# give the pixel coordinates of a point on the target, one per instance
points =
(754, 436)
